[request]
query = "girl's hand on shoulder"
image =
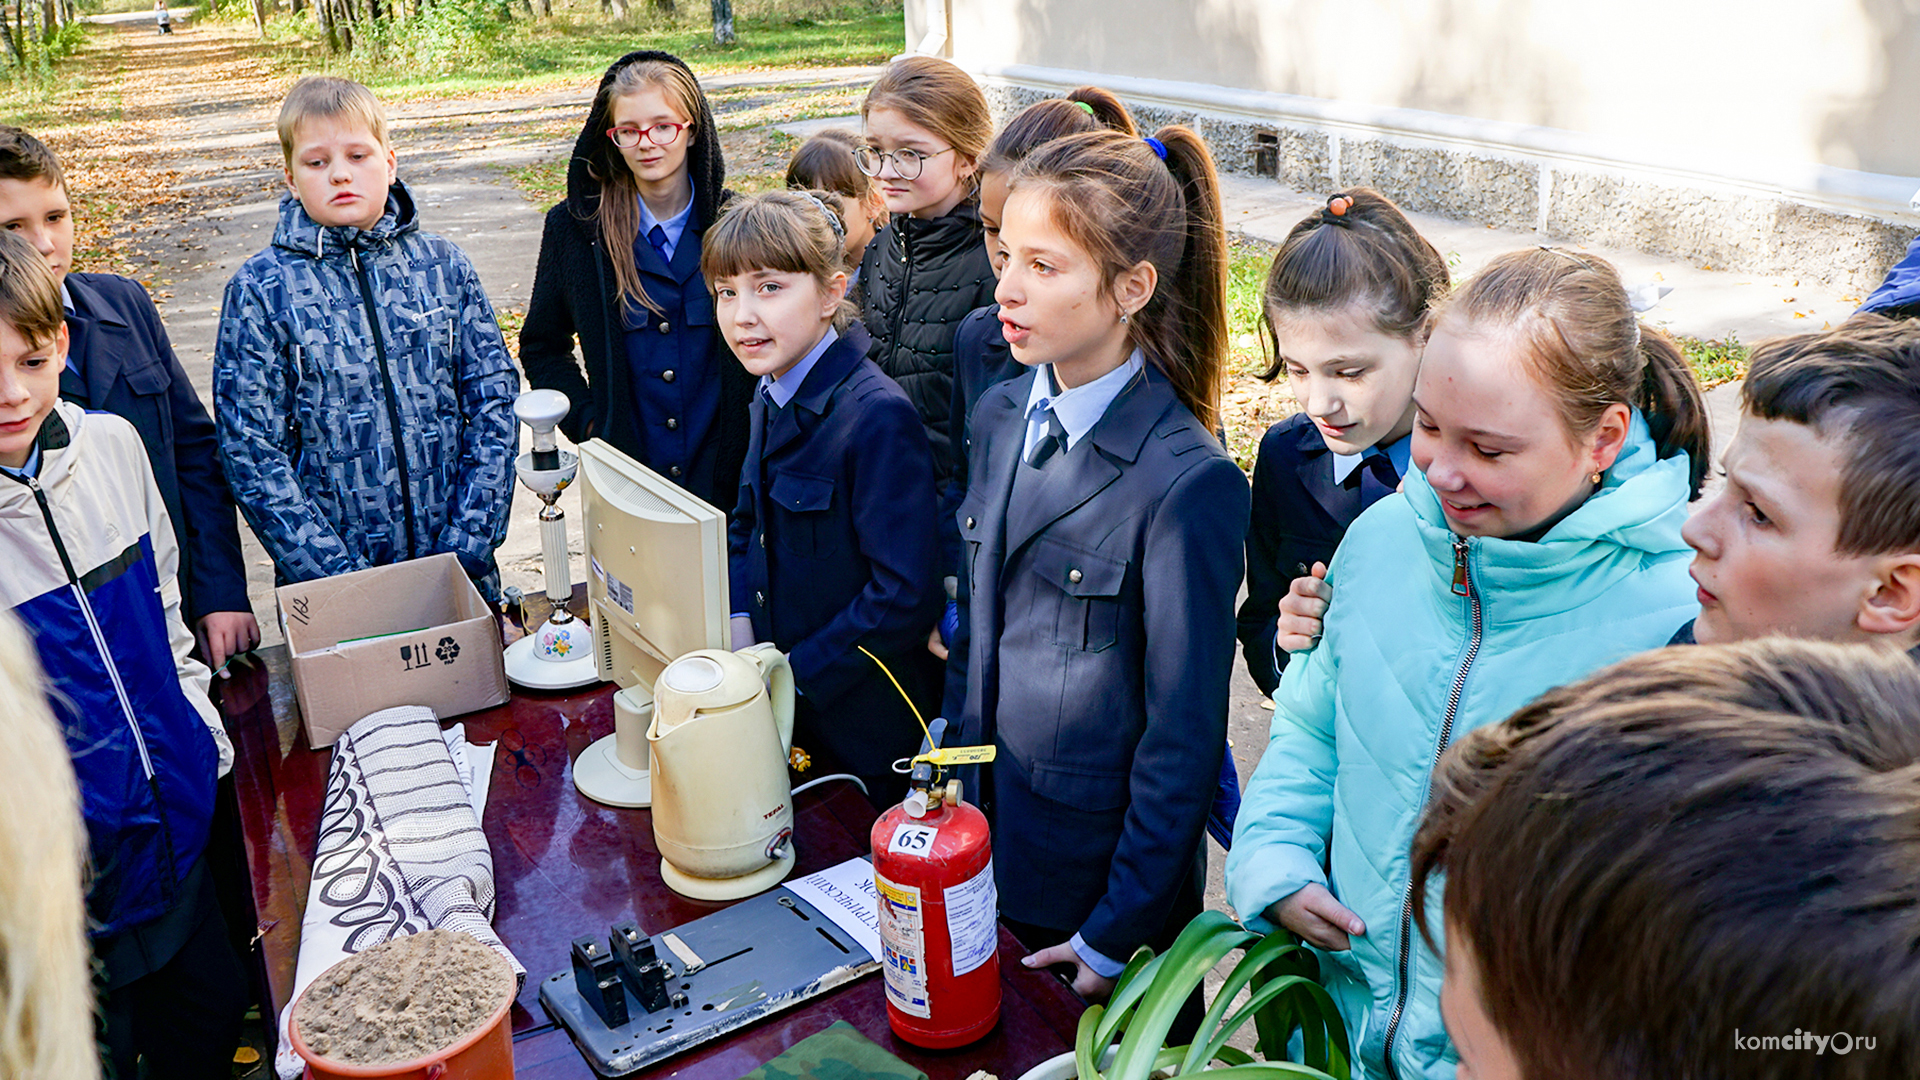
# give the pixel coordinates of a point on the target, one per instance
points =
(1314, 914)
(1303, 610)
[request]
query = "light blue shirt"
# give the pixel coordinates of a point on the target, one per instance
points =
(782, 389)
(675, 226)
(1400, 453)
(32, 466)
(1078, 408)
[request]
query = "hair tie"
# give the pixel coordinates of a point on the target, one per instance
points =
(1086, 106)
(1159, 148)
(1338, 205)
(833, 220)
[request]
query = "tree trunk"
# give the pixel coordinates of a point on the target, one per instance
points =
(723, 22)
(544, 7)
(260, 17)
(617, 8)
(49, 22)
(297, 6)
(664, 7)
(14, 55)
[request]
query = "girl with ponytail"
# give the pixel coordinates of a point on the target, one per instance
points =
(1101, 530)
(1556, 444)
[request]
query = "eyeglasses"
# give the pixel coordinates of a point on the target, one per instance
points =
(662, 134)
(907, 163)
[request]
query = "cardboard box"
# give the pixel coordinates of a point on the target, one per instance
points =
(413, 633)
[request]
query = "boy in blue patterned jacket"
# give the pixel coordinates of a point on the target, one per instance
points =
(361, 388)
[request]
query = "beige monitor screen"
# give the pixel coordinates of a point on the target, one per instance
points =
(656, 567)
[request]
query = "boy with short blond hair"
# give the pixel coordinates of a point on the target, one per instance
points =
(121, 361)
(1699, 862)
(361, 388)
(90, 566)
(1817, 531)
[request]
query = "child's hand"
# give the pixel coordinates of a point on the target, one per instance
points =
(741, 627)
(1314, 914)
(1302, 610)
(1086, 982)
(225, 634)
(935, 645)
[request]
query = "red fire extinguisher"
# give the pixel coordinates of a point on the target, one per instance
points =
(939, 934)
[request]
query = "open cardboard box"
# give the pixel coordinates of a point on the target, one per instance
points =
(412, 633)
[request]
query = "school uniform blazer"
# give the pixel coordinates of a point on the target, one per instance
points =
(1100, 617)
(832, 543)
(1300, 515)
(127, 368)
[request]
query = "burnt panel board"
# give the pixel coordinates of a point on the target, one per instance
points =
(760, 956)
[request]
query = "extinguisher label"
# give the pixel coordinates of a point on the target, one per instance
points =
(971, 909)
(903, 945)
(912, 840)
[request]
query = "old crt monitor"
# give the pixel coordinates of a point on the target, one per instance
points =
(657, 589)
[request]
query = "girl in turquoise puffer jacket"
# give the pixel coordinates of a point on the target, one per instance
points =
(1557, 444)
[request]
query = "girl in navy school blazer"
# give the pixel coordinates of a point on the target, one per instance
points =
(831, 549)
(1102, 581)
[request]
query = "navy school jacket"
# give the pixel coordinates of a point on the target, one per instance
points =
(832, 545)
(1299, 516)
(1098, 652)
(126, 367)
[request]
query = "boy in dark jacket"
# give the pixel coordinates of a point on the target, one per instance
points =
(90, 568)
(120, 361)
(363, 393)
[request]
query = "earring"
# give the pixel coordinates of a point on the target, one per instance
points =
(1123, 318)
(1597, 477)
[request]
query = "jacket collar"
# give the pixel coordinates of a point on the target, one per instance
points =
(1633, 519)
(952, 230)
(298, 231)
(89, 304)
(815, 394)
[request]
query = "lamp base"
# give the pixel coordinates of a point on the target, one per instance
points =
(527, 668)
(600, 776)
(732, 888)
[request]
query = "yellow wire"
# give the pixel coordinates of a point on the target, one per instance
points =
(903, 694)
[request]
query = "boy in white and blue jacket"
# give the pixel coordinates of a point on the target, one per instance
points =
(363, 395)
(90, 568)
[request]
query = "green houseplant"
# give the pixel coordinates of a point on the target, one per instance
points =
(1286, 999)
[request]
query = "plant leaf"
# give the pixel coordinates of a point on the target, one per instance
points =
(1201, 945)
(1085, 1056)
(1269, 951)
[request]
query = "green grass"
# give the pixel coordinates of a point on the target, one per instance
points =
(1247, 263)
(1715, 362)
(577, 43)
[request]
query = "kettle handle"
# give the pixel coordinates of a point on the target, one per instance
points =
(778, 675)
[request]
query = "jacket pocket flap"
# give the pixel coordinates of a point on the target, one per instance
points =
(800, 492)
(1079, 573)
(1085, 789)
(151, 379)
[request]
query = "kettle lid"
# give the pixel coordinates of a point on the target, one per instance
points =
(692, 675)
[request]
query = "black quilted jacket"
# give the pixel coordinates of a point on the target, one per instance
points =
(920, 278)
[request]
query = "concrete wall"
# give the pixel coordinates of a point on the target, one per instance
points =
(1759, 134)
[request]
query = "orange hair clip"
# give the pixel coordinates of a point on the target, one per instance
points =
(1339, 205)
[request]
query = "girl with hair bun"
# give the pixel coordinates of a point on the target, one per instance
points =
(1556, 444)
(1345, 312)
(1102, 530)
(831, 549)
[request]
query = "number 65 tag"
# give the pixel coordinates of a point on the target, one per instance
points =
(913, 840)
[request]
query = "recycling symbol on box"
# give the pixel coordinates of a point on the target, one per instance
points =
(448, 651)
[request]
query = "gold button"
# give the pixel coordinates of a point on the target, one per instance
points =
(969, 523)
(1074, 576)
(673, 424)
(667, 375)
(664, 328)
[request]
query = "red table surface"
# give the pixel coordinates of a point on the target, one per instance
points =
(565, 866)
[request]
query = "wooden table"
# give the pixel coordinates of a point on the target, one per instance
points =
(565, 866)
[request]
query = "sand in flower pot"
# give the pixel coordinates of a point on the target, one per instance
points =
(399, 1009)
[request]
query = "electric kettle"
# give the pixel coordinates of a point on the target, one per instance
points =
(722, 807)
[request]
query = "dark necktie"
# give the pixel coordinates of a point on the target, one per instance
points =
(1375, 478)
(1050, 443)
(657, 236)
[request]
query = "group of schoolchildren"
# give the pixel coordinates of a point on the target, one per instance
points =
(959, 392)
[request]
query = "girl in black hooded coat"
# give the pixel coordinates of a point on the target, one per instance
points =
(619, 274)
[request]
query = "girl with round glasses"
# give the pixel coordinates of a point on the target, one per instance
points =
(926, 126)
(619, 281)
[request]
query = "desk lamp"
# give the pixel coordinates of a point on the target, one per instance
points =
(559, 655)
